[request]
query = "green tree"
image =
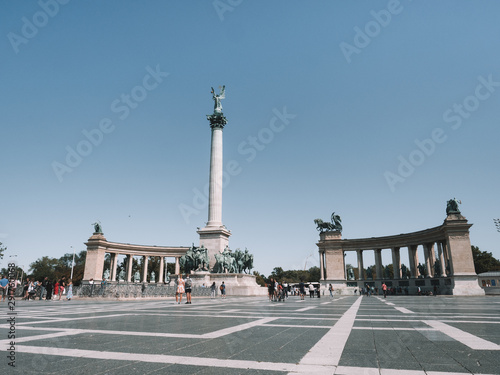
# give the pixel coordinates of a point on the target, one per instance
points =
(484, 261)
(277, 273)
(259, 279)
(314, 274)
(47, 267)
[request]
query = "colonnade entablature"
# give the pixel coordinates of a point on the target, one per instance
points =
(98, 246)
(453, 258)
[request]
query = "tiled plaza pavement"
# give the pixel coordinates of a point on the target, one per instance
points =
(249, 335)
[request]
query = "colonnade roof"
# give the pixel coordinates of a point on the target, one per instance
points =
(132, 249)
(431, 235)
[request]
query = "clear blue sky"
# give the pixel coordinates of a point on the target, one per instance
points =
(362, 84)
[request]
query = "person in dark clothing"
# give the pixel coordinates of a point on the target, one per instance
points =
(50, 288)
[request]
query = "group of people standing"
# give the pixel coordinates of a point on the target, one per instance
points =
(48, 289)
(184, 286)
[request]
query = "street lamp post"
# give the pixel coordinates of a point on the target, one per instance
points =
(72, 264)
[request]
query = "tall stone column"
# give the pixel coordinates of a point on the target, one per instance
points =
(396, 262)
(361, 271)
(321, 266)
(413, 258)
(441, 259)
(114, 264)
(162, 270)
(130, 263)
(428, 248)
(177, 266)
(145, 259)
(378, 264)
(215, 236)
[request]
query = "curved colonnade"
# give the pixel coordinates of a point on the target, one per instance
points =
(453, 251)
(98, 246)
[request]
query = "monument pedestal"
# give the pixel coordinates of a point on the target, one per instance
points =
(215, 239)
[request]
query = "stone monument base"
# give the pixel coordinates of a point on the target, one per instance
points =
(466, 285)
(237, 284)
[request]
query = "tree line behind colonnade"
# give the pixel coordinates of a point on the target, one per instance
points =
(55, 268)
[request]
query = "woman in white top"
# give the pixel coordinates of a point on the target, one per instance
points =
(180, 289)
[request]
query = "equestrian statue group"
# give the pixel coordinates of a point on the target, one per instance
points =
(237, 262)
(196, 259)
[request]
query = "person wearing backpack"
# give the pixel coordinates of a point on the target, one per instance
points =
(188, 285)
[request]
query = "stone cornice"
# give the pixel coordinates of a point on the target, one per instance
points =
(95, 242)
(452, 225)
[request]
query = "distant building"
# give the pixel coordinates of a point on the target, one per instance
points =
(490, 282)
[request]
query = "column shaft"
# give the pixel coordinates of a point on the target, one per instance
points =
(215, 180)
(378, 264)
(441, 259)
(413, 258)
(162, 269)
(145, 268)
(129, 267)
(361, 271)
(321, 266)
(177, 266)
(114, 263)
(396, 263)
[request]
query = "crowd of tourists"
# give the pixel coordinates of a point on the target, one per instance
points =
(280, 291)
(44, 289)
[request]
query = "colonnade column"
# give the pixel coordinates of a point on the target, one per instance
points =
(162, 269)
(114, 261)
(447, 260)
(427, 260)
(441, 259)
(177, 266)
(145, 259)
(396, 262)
(378, 264)
(361, 272)
(129, 267)
(413, 258)
(321, 266)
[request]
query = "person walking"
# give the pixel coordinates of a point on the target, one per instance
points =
(311, 291)
(180, 290)
(50, 288)
(43, 287)
(302, 290)
(189, 284)
(4, 282)
(213, 288)
(330, 289)
(62, 286)
(384, 289)
(69, 293)
(56, 289)
(223, 290)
